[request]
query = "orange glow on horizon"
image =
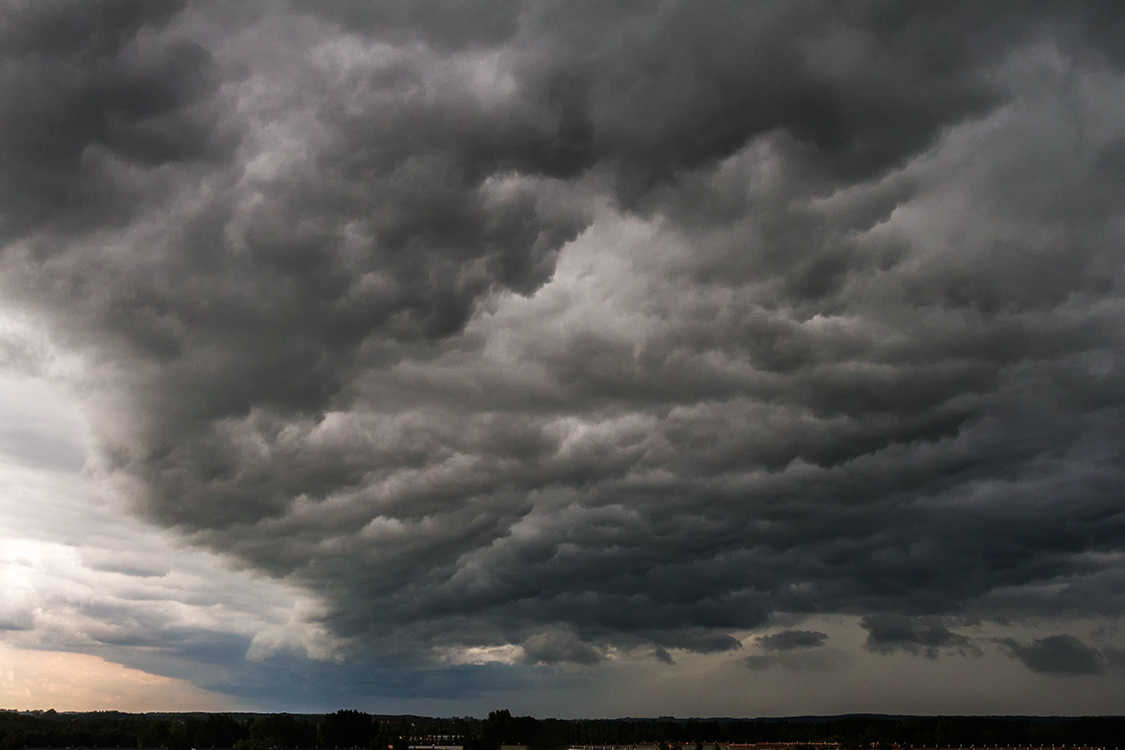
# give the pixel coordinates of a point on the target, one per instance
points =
(80, 682)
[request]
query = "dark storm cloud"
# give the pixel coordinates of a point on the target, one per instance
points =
(556, 648)
(795, 650)
(79, 90)
(887, 633)
(593, 327)
(789, 640)
(1058, 654)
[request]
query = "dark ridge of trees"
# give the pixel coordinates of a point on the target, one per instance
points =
(356, 729)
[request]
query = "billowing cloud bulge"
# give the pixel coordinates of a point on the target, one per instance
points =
(589, 327)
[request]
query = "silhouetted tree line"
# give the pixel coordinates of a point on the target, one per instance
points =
(856, 731)
(355, 729)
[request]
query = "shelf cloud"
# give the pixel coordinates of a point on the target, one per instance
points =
(593, 329)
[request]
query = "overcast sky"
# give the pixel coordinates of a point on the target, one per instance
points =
(579, 358)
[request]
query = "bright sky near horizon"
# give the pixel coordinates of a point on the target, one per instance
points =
(694, 359)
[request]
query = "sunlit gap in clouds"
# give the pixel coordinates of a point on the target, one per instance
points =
(97, 608)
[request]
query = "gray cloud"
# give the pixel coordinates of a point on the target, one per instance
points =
(795, 651)
(1058, 654)
(789, 640)
(661, 655)
(819, 660)
(1115, 657)
(887, 633)
(21, 355)
(589, 328)
(558, 647)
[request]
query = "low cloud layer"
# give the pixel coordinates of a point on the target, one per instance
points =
(593, 330)
(791, 640)
(796, 651)
(1063, 655)
(889, 632)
